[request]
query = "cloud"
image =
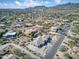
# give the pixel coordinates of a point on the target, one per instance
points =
(28, 3)
(32, 3)
(23, 3)
(58, 1)
(18, 3)
(46, 2)
(5, 4)
(14, 5)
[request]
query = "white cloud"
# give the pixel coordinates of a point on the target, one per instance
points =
(31, 3)
(0, 4)
(5, 4)
(46, 2)
(18, 3)
(58, 1)
(24, 4)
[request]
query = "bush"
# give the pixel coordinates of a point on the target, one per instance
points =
(1, 33)
(63, 49)
(68, 56)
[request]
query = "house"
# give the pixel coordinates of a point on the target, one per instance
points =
(41, 41)
(9, 35)
(38, 41)
(53, 28)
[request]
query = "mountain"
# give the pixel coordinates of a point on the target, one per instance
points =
(36, 9)
(26, 10)
(13, 10)
(67, 6)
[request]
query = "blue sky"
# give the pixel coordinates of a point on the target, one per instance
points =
(31, 3)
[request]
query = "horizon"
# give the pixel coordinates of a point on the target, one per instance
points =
(22, 4)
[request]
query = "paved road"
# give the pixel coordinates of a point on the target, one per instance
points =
(52, 52)
(21, 48)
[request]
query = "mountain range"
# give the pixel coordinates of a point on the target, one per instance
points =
(67, 6)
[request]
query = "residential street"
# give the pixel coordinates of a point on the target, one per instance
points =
(52, 52)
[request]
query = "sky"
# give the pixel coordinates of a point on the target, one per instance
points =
(15, 4)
